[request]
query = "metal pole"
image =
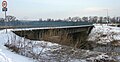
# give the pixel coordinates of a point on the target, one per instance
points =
(5, 15)
(107, 16)
(107, 12)
(5, 22)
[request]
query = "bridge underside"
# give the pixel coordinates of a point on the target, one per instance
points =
(74, 36)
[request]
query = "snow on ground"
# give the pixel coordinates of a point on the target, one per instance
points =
(5, 54)
(51, 52)
(107, 39)
(104, 34)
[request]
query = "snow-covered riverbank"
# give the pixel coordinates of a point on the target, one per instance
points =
(104, 34)
(5, 54)
(51, 52)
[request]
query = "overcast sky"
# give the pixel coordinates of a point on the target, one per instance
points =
(34, 9)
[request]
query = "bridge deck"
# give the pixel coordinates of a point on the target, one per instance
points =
(20, 29)
(37, 24)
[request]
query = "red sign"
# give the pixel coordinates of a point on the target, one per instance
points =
(4, 4)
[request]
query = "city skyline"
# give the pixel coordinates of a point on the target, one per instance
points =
(35, 9)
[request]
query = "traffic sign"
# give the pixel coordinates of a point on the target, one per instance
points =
(4, 4)
(4, 9)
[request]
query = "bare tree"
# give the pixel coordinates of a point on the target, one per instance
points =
(10, 18)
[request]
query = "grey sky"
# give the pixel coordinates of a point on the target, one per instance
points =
(34, 9)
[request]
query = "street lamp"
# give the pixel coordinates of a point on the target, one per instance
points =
(107, 15)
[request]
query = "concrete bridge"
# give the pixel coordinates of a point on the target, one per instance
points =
(74, 36)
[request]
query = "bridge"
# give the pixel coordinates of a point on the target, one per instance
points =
(66, 33)
(74, 36)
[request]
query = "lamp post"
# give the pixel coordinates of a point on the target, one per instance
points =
(107, 15)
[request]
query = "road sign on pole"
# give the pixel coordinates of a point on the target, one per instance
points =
(4, 4)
